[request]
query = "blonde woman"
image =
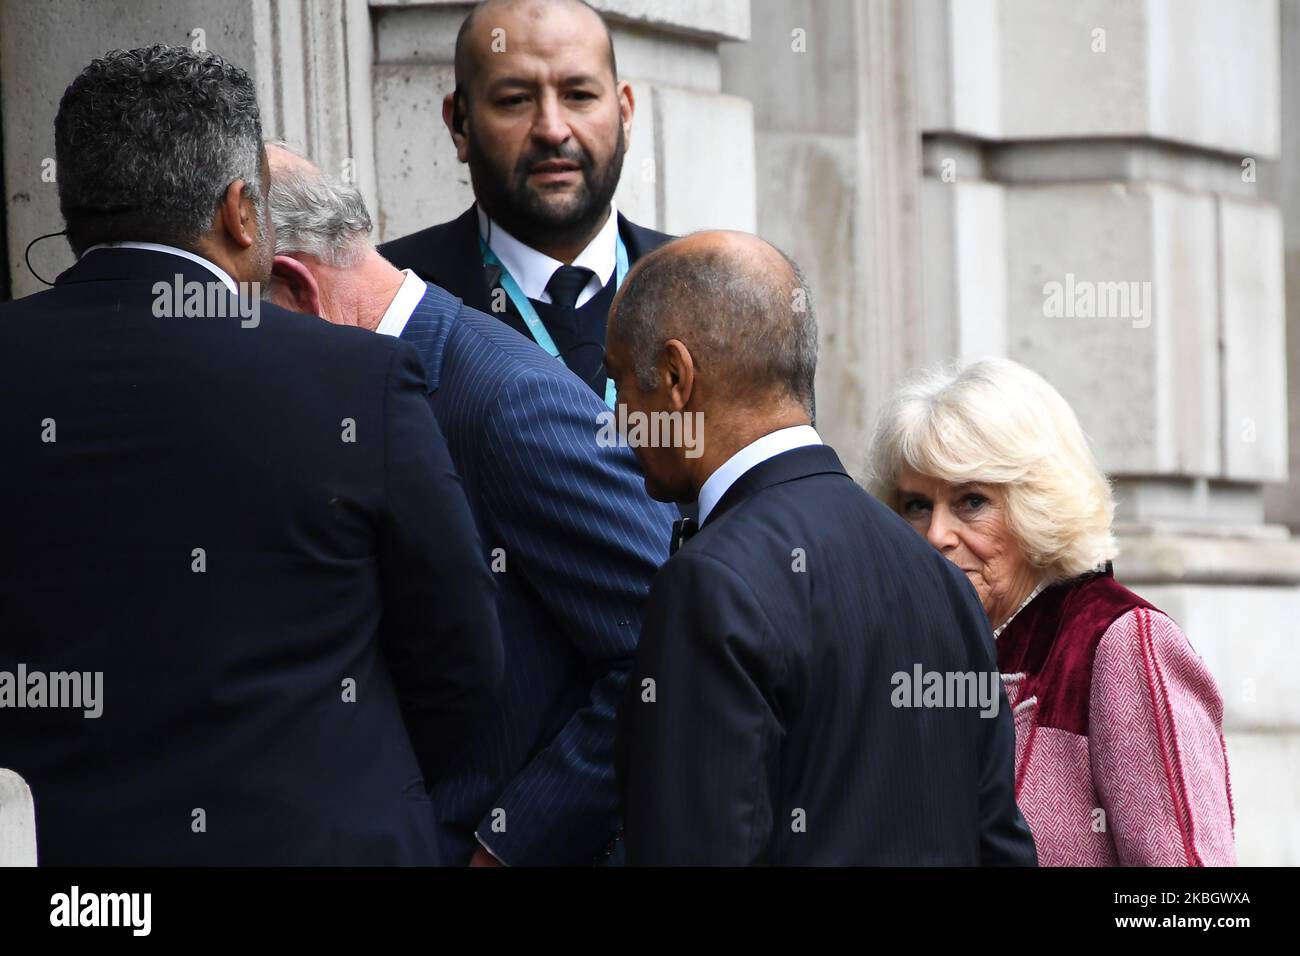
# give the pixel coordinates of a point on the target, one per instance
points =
(1120, 757)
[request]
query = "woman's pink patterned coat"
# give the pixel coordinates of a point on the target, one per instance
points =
(1120, 759)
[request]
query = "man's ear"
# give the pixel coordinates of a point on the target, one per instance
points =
(237, 215)
(678, 374)
(626, 108)
(299, 284)
(454, 115)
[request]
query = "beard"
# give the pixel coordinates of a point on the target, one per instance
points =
(534, 217)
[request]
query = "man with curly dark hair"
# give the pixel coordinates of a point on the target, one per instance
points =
(150, 142)
(245, 615)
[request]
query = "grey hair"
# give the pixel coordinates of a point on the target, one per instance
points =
(759, 326)
(318, 215)
(148, 141)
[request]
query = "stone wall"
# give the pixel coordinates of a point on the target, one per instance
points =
(832, 87)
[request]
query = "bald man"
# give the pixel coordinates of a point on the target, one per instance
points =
(543, 121)
(763, 722)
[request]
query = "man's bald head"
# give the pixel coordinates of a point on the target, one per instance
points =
(282, 159)
(475, 35)
(740, 306)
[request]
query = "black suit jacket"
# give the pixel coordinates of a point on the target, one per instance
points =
(291, 626)
(448, 256)
(772, 640)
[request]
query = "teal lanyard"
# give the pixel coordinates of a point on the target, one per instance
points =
(529, 314)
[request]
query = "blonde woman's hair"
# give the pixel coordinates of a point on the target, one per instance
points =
(995, 422)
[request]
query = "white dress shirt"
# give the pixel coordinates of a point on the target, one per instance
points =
(399, 310)
(212, 267)
(752, 455)
(532, 270)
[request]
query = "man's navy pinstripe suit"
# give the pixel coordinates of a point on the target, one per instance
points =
(581, 541)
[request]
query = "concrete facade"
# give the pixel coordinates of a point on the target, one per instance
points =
(938, 167)
(832, 87)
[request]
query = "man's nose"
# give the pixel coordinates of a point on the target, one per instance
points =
(551, 125)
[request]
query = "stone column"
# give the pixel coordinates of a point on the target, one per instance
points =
(1097, 207)
(1280, 182)
(833, 91)
(691, 161)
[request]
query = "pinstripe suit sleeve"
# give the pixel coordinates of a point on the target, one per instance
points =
(578, 524)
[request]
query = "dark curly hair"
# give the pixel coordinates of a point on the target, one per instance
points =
(147, 142)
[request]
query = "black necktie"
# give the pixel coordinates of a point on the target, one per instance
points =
(683, 530)
(565, 285)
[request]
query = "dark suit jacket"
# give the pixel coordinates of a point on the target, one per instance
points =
(227, 673)
(579, 541)
(448, 256)
(771, 639)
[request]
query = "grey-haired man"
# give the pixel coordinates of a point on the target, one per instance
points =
(574, 537)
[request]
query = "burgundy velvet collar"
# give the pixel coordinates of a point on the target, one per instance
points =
(1054, 639)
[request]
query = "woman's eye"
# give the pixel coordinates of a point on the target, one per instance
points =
(915, 507)
(974, 502)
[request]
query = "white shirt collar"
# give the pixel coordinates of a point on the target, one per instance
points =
(399, 310)
(212, 267)
(753, 454)
(532, 270)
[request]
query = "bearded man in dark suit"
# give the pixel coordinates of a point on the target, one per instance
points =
(543, 121)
